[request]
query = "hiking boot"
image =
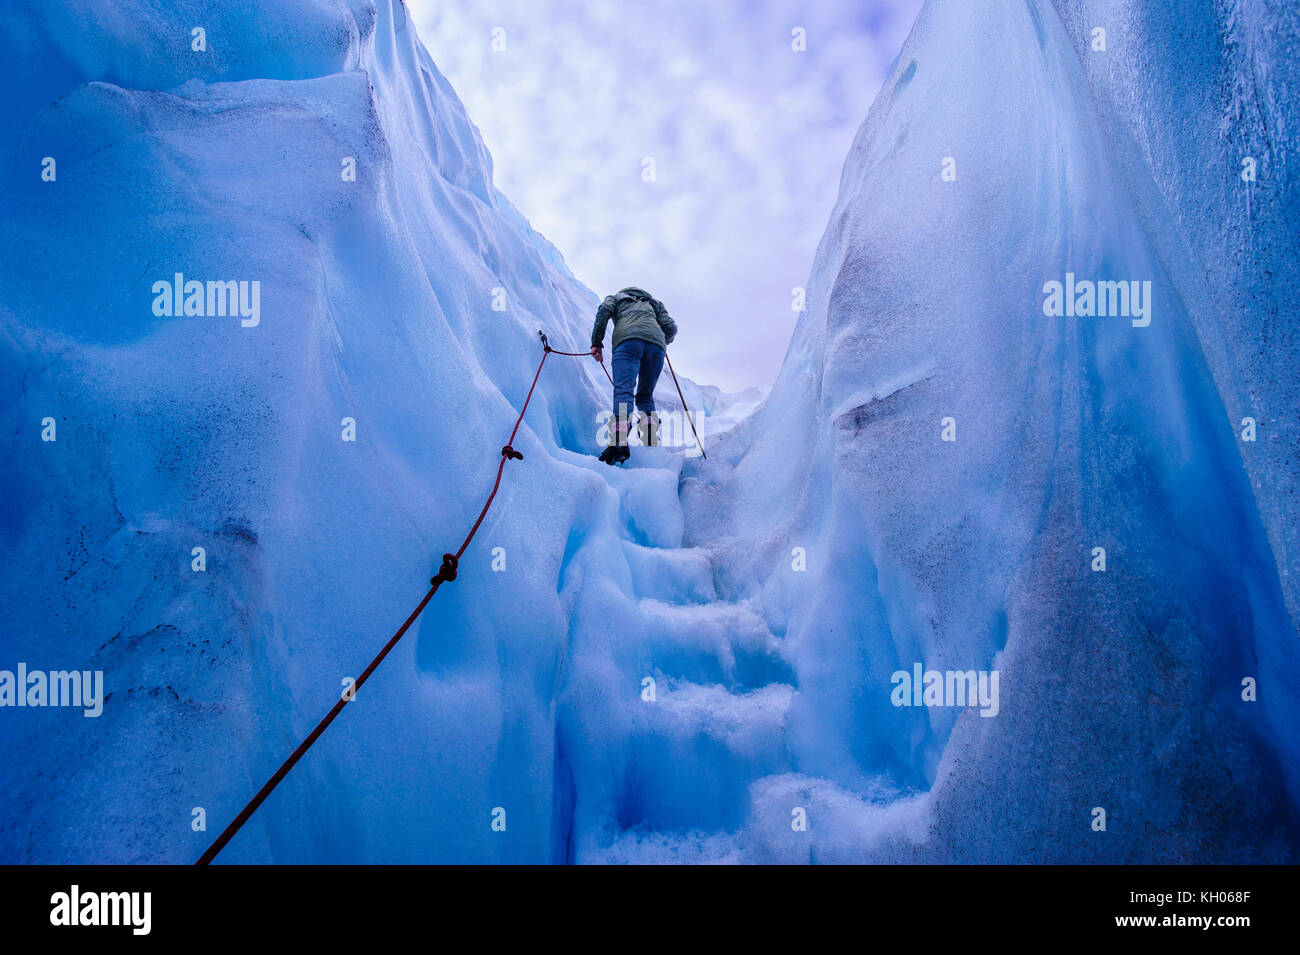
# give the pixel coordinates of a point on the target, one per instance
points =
(647, 428)
(615, 454)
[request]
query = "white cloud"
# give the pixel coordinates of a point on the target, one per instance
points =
(748, 139)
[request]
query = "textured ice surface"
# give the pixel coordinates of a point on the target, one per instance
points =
(1123, 689)
(629, 664)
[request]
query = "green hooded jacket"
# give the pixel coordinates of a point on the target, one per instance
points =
(636, 314)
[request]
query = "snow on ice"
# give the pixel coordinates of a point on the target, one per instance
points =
(683, 659)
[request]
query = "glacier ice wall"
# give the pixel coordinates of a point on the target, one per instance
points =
(1120, 689)
(523, 684)
(1204, 99)
(176, 433)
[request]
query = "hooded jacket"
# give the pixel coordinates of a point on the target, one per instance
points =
(636, 314)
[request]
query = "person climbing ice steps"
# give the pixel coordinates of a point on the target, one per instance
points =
(643, 330)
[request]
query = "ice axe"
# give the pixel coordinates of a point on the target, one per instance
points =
(689, 416)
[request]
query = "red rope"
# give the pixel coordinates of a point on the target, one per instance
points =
(583, 354)
(247, 811)
(445, 573)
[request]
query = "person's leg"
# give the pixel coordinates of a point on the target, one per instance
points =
(652, 364)
(626, 363)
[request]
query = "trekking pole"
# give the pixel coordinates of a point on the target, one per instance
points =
(689, 416)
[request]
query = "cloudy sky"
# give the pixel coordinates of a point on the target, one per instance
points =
(747, 137)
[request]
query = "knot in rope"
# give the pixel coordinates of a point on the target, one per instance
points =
(448, 569)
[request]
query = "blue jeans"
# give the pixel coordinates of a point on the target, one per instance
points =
(632, 360)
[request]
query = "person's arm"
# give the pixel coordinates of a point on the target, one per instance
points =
(665, 321)
(604, 312)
